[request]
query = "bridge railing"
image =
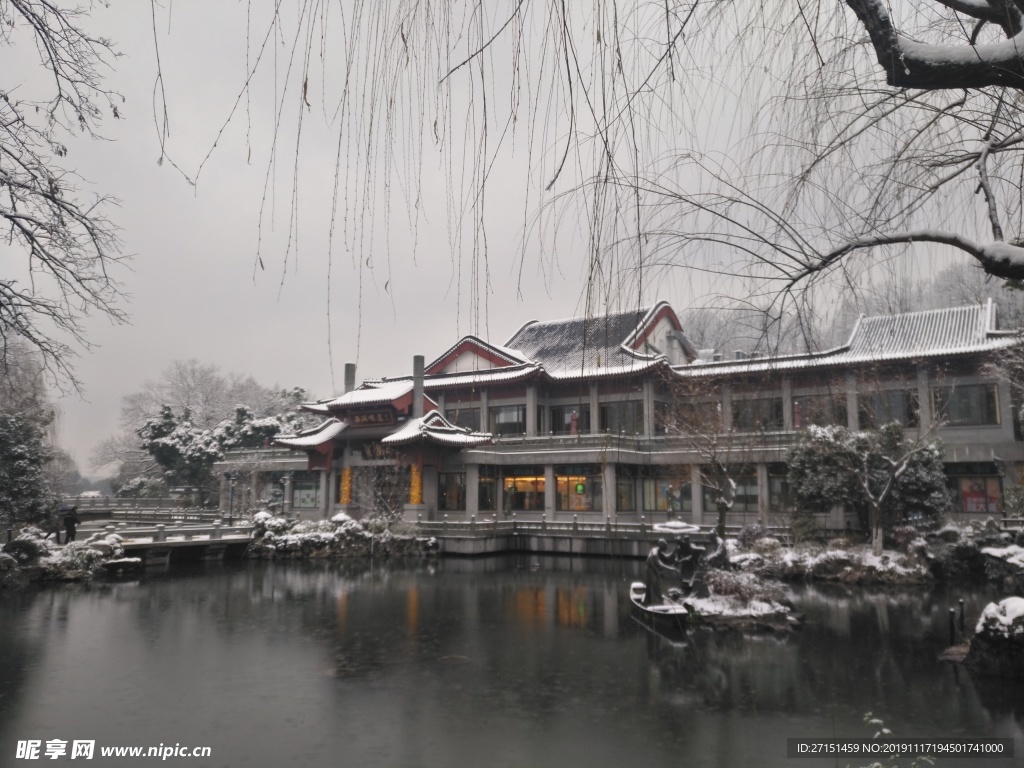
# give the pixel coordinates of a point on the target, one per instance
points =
(166, 515)
(86, 503)
(163, 533)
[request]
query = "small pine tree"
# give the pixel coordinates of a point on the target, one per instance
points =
(25, 496)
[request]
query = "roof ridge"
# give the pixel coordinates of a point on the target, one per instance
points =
(918, 312)
(641, 311)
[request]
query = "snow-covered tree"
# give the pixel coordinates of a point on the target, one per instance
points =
(884, 474)
(695, 416)
(199, 399)
(61, 253)
(25, 494)
(185, 452)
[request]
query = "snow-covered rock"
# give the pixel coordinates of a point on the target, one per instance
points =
(998, 645)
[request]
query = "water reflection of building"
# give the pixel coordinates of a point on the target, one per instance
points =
(572, 418)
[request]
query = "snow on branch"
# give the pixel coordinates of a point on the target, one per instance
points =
(999, 259)
(910, 64)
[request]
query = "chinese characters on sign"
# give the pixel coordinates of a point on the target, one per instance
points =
(382, 418)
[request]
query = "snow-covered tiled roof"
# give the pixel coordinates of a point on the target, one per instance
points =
(493, 375)
(311, 438)
(933, 333)
(370, 393)
(435, 428)
(585, 346)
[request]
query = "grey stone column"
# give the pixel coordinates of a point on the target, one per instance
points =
(485, 416)
(726, 424)
(222, 502)
(550, 491)
(608, 490)
(762, 494)
(323, 493)
(852, 406)
(531, 411)
(332, 491)
(787, 404)
(924, 398)
(648, 400)
(473, 490)
(1005, 404)
(286, 506)
(595, 411)
(697, 491)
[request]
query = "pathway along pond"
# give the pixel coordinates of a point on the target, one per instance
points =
(518, 661)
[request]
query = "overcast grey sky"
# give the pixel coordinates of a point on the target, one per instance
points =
(194, 289)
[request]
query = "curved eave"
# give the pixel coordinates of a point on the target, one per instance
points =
(313, 438)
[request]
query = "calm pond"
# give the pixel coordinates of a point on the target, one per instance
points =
(517, 661)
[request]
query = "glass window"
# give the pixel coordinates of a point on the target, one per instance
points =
(523, 489)
(778, 489)
(756, 414)
(570, 419)
(878, 408)
(745, 501)
(625, 417)
(508, 420)
(977, 487)
(820, 410)
(451, 491)
(469, 418)
(487, 489)
(579, 488)
(625, 489)
(973, 405)
(306, 494)
(664, 495)
(662, 417)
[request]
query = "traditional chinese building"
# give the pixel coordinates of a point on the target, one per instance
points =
(581, 417)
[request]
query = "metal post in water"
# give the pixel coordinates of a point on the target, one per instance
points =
(962, 633)
(952, 626)
(10, 533)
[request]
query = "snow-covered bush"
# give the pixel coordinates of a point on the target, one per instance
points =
(78, 556)
(743, 586)
(1005, 618)
(767, 545)
(749, 534)
(902, 535)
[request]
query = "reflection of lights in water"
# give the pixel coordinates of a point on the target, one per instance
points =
(412, 610)
(571, 607)
(530, 607)
(342, 610)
